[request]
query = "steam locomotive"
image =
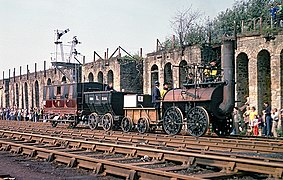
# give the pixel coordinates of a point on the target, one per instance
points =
(192, 108)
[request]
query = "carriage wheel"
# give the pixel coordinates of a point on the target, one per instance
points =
(93, 121)
(197, 121)
(107, 121)
(54, 123)
(127, 124)
(173, 120)
(143, 125)
(222, 127)
(73, 124)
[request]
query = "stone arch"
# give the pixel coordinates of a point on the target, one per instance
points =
(64, 79)
(17, 95)
(110, 77)
(168, 74)
(90, 77)
(182, 72)
(263, 78)
(36, 90)
(26, 95)
(154, 75)
(242, 77)
(100, 77)
(48, 82)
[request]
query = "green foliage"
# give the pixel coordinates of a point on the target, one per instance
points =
(247, 11)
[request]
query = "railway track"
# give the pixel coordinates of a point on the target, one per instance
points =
(180, 143)
(131, 161)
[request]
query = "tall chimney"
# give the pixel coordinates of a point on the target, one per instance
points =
(44, 68)
(228, 64)
(20, 72)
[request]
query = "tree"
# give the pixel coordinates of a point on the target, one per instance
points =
(184, 24)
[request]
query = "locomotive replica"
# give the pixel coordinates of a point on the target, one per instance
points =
(192, 108)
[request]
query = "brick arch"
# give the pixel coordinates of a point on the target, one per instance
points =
(90, 77)
(242, 77)
(263, 78)
(100, 77)
(64, 79)
(154, 74)
(36, 93)
(17, 95)
(182, 72)
(26, 102)
(168, 73)
(110, 77)
(48, 82)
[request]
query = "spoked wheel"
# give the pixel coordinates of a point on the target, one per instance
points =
(197, 121)
(127, 124)
(54, 123)
(107, 121)
(72, 124)
(222, 127)
(173, 120)
(143, 125)
(93, 121)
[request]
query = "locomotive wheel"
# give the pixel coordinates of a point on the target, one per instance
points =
(143, 125)
(223, 127)
(127, 124)
(197, 121)
(107, 121)
(93, 121)
(173, 120)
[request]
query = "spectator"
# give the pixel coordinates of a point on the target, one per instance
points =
(237, 120)
(211, 72)
(260, 125)
(268, 120)
(275, 119)
(19, 115)
(252, 116)
(190, 79)
(246, 116)
(279, 14)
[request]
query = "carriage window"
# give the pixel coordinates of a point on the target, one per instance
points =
(58, 90)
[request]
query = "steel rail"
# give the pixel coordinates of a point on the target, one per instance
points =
(228, 164)
(174, 142)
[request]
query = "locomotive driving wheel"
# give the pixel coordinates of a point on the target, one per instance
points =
(107, 121)
(173, 120)
(93, 121)
(222, 127)
(197, 121)
(73, 123)
(127, 124)
(143, 125)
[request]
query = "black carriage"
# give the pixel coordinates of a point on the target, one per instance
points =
(106, 109)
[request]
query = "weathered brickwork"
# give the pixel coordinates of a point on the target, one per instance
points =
(263, 60)
(259, 73)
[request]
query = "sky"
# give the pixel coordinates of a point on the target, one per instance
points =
(28, 27)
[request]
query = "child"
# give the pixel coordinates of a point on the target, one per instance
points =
(260, 125)
(255, 126)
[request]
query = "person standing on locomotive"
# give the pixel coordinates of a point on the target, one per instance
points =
(211, 72)
(156, 97)
(164, 90)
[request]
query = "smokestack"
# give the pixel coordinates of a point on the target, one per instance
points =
(35, 68)
(228, 64)
(27, 73)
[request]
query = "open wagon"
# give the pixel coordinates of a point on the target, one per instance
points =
(139, 113)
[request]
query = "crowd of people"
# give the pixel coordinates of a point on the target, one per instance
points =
(32, 114)
(251, 122)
